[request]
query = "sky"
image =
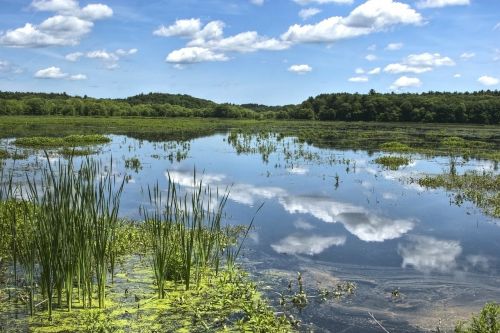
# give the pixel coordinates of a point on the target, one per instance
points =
(248, 51)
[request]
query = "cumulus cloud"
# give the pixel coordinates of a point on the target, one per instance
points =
(70, 24)
(428, 254)
(207, 43)
(308, 245)
(371, 57)
(308, 13)
(55, 73)
(419, 63)
(486, 80)
(369, 17)
(358, 79)
(50, 73)
(441, 3)
(394, 46)
(457, 76)
(191, 55)
(406, 82)
(359, 71)
(300, 69)
(110, 59)
(181, 28)
(375, 71)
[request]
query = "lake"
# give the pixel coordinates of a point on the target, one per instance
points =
(418, 258)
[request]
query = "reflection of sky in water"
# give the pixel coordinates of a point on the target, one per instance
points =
(375, 218)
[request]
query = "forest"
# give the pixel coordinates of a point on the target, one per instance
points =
(481, 107)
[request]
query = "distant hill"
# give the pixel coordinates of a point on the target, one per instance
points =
(186, 101)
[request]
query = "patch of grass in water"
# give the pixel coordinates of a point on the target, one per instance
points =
(68, 152)
(393, 162)
(67, 141)
(395, 146)
(482, 189)
(487, 321)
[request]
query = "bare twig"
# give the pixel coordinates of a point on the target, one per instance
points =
(378, 323)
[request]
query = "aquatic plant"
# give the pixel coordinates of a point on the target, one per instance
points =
(67, 141)
(392, 162)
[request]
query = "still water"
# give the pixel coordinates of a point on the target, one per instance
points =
(418, 260)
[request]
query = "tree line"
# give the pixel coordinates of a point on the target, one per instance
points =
(482, 107)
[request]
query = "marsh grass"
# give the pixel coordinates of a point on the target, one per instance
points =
(480, 188)
(393, 162)
(67, 141)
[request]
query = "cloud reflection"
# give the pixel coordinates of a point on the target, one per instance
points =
(309, 245)
(357, 220)
(428, 254)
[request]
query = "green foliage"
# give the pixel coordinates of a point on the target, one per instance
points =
(392, 162)
(133, 163)
(483, 189)
(480, 107)
(393, 146)
(68, 141)
(487, 321)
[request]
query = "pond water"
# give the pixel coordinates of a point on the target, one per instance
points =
(418, 260)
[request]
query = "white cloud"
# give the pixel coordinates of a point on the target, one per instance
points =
(298, 170)
(78, 77)
(181, 28)
(457, 76)
(308, 245)
(402, 68)
(359, 71)
(429, 254)
(497, 26)
(406, 82)
(322, 2)
(394, 46)
(50, 73)
(308, 13)
(467, 55)
(358, 79)
(209, 44)
(441, 3)
(300, 69)
(75, 56)
(70, 24)
(191, 55)
(371, 57)
(488, 80)
(496, 57)
(419, 63)
(375, 71)
(103, 55)
(110, 59)
(96, 11)
(257, 2)
(429, 59)
(371, 16)
(61, 6)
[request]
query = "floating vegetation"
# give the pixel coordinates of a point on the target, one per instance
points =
(393, 162)
(62, 243)
(480, 188)
(133, 164)
(67, 141)
(4, 154)
(394, 146)
(487, 321)
(69, 152)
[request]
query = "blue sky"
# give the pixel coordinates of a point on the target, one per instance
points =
(260, 51)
